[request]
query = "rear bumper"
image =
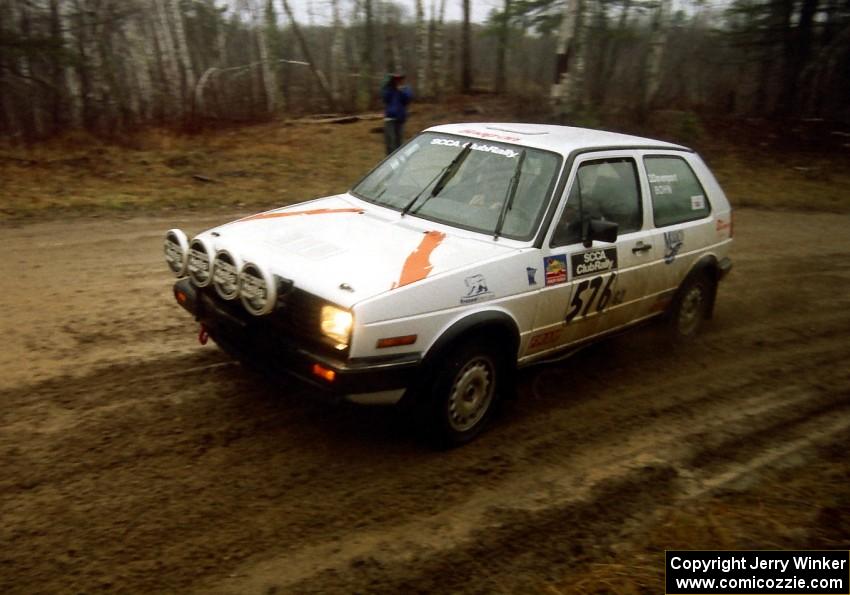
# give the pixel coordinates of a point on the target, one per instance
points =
(373, 379)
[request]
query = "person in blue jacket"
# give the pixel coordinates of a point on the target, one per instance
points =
(396, 96)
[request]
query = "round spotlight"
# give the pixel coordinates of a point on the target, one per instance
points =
(200, 262)
(226, 275)
(176, 247)
(257, 289)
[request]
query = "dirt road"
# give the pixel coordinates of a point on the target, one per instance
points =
(133, 459)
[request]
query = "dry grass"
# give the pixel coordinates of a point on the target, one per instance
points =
(263, 165)
(282, 162)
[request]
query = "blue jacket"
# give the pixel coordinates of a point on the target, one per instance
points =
(395, 101)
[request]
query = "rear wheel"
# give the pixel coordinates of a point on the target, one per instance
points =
(465, 391)
(691, 306)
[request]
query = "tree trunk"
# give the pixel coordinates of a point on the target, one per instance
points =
(466, 50)
(337, 51)
(421, 50)
(502, 48)
(71, 74)
(657, 41)
(438, 53)
(368, 70)
(566, 92)
(56, 75)
(305, 51)
(269, 78)
(798, 51)
(170, 68)
(182, 49)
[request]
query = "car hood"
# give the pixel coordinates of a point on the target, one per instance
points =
(346, 250)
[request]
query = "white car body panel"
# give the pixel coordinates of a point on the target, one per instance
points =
(407, 275)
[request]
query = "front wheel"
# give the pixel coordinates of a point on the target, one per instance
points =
(464, 394)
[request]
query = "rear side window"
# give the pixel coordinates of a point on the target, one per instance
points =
(604, 189)
(677, 195)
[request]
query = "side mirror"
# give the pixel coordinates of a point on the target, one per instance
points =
(598, 229)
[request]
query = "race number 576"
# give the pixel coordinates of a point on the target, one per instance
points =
(583, 300)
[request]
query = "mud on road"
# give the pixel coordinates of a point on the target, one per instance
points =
(132, 459)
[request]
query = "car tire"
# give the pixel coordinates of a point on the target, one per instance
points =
(691, 307)
(468, 384)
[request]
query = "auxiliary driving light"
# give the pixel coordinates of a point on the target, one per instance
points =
(225, 274)
(257, 289)
(200, 262)
(176, 247)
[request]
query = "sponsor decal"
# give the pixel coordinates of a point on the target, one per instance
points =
(673, 242)
(296, 213)
(492, 135)
(453, 142)
(555, 269)
(418, 265)
(543, 339)
(532, 275)
(476, 290)
(595, 261)
(697, 202)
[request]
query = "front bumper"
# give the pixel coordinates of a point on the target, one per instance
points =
(249, 339)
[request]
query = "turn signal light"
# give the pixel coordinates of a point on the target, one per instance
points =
(396, 341)
(324, 373)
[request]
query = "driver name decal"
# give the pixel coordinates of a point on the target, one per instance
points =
(593, 262)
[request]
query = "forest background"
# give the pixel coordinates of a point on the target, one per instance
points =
(128, 103)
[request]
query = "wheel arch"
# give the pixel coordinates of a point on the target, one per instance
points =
(709, 266)
(496, 323)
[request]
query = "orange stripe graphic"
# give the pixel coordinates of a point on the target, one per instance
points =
(294, 213)
(418, 263)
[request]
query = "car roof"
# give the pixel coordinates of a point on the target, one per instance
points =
(562, 139)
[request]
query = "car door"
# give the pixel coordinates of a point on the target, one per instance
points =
(680, 223)
(591, 290)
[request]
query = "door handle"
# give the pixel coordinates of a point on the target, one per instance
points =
(641, 247)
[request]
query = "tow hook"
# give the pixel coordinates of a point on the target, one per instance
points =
(203, 335)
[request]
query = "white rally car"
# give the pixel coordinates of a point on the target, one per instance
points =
(470, 251)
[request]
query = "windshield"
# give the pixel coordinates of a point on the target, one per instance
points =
(431, 178)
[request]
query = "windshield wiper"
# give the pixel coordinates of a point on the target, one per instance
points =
(509, 195)
(442, 179)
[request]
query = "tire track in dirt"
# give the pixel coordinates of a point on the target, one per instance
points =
(792, 403)
(140, 462)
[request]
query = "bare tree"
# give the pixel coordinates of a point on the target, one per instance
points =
(658, 38)
(504, 28)
(337, 50)
(421, 50)
(167, 58)
(305, 51)
(568, 71)
(466, 50)
(270, 88)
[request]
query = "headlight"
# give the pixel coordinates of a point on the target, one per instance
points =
(176, 248)
(200, 262)
(226, 275)
(336, 324)
(257, 289)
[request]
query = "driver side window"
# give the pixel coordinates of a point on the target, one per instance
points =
(604, 189)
